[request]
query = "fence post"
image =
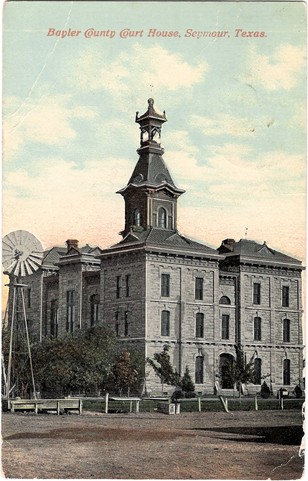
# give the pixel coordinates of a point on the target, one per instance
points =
(199, 404)
(137, 406)
(106, 403)
(256, 403)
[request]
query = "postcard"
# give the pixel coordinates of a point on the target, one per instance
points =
(154, 224)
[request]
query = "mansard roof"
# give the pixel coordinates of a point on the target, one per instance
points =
(250, 250)
(163, 239)
(151, 171)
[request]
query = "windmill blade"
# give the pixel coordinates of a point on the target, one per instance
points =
(33, 266)
(22, 269)
(22, 253)
(16, 270)
(38, 256)
(7, 243)
(10, 264)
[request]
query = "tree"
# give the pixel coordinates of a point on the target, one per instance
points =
(124, 374)
(241, 372)
(187, 384)
(163, 368)
(81, 361)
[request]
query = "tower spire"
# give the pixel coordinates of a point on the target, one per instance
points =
(150, 195)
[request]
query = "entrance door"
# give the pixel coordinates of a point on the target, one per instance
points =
(226, 366)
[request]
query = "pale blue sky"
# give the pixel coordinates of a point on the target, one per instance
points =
(235, 136)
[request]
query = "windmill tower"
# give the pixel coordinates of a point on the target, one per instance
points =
(22, 255)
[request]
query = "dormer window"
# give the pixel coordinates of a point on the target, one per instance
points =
(162, 218)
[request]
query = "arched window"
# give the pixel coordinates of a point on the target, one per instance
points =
(199, 370)
(286, 330)
(199, 324)
(224, 300)
(162, 218)
(165, 323)
(94, 303)
(286, 371)
(257, 328)
(257, 371)
(137, 218)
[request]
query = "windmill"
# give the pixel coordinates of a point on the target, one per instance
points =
(22, 255)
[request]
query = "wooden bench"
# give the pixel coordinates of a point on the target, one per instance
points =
(37, 405)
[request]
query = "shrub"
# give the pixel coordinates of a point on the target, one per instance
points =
(298, 391)
(265, 391)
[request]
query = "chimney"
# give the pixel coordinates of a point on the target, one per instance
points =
(72, 243)
(227, 245)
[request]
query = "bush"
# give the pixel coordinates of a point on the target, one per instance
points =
(265, 391)
(177, 395)
(298, 391)
(186, 383)
(190, 395)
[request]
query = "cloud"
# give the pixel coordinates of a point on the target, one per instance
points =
(62, 200)
(226, 124)
(48, 121)
(279, 71)
(225, 195)
(137, 68)
(299, 118)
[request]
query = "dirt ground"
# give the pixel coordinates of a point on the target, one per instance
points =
(207, 445)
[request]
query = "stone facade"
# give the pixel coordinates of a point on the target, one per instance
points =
(157, 287)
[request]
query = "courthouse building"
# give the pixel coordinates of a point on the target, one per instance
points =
(158, 287)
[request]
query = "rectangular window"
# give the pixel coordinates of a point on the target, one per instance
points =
(199, 370)
(70, 310)
(286, 330)
(165, 285)
(54, 309)
(199, 324)
(257, 328)
(225, 326)
(126, 323)
(127, 285)
(117, 324)
(118, 293)
(94, 310)
(286, 372)
(257, 293)
(285, 296)
(199, 288)
(165, 323)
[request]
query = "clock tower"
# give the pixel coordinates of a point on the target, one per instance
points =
(150, 195)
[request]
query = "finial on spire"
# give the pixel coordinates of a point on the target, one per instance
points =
(151, 105)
